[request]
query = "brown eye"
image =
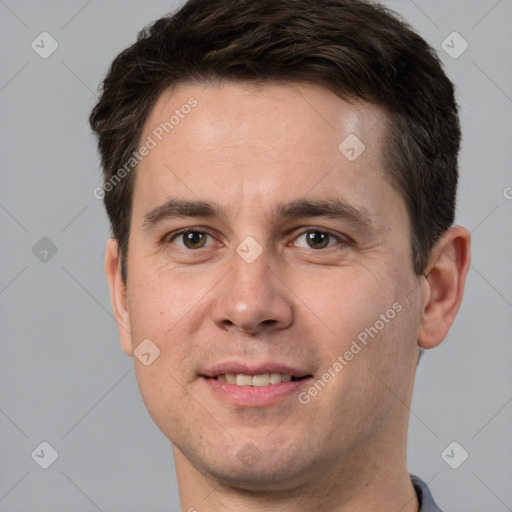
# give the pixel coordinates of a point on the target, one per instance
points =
(317, 239)
(190, 239)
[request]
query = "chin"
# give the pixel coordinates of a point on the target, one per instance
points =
(255, 468)
(256, 480)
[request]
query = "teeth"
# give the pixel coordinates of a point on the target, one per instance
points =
(263, 379)
(243, 380)
(230, 377)
(260, 380)
(275, 378)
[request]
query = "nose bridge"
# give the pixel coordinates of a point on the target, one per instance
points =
(252, 270)
(252, 297)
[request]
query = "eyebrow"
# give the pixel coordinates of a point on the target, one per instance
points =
(333, 208)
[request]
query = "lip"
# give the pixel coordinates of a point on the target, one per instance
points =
(254, 369)
(254, 396)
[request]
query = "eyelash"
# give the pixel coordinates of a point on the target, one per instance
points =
(172, 236)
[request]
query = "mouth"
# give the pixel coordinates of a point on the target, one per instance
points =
(251, 385)
(257, 380)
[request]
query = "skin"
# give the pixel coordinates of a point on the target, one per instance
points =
(249, 148)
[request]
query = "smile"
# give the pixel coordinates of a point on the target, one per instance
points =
(262, 379)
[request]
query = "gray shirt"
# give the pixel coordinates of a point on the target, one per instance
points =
(427, 503)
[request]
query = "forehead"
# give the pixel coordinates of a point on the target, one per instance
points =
(249, 146)
(306, 116)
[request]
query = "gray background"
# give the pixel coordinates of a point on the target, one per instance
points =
(63, 376)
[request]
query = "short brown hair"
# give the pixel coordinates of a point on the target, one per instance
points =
(357, 49)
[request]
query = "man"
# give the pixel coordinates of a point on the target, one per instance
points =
(280, 178)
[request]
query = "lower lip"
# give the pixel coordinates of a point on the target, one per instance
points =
(254, 396)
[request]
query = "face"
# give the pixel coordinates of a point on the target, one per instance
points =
(260, 246)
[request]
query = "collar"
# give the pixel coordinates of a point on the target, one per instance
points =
(426, 501)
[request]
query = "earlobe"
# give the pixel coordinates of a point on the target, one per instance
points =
(444, 282)
(118, 294)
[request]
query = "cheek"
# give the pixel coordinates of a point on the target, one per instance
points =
(165, 397)
(372, 323)
(158, 300)
(387, 341)
(350, 302)
(160, 311)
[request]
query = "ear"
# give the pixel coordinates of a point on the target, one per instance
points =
(118, 295)
(444, 282)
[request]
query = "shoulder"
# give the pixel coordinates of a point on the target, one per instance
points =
(427, 503)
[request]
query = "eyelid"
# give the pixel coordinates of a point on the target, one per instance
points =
(344, 239)
(341, 239)
(171, 236)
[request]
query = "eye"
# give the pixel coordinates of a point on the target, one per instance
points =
(191, 239)
(318, 239)
(196, 239)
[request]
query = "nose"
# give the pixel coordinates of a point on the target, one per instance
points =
(252, 298)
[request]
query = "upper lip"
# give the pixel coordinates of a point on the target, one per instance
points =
(254, 369)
